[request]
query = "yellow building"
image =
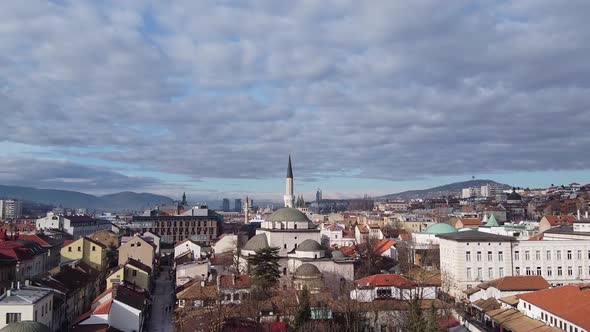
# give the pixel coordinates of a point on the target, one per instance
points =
(132, 273)
(88, 251)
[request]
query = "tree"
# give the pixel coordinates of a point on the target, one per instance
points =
(265, 268)
(304, 310)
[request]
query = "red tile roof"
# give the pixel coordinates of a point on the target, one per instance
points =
(363, 229)
(569, 302)
(241, 281)
(335, 228)
(560, 220)
(348, 251)
(103, 308)
(383, 245)
(470, 221)
(384, 280)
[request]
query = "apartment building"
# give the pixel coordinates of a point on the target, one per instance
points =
(10, 209)
(77, 225)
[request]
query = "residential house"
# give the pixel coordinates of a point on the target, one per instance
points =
(192, 270)
(233, 288)
(139, 249)
(188, 246)
(508, 286)
(76, 225)
(361, 233)
(120, 308)
(550, 221)
(133, 273)
(27, 304)
(225, 243)
(391, 286)
(197, 294)
(335, 235)
(468, 223)
(86, 250)
(31, 258)
(52, 247)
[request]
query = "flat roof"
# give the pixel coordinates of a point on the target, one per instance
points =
(24, 296)
(473, 235)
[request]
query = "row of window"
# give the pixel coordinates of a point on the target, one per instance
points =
(549, 271)
(548, 255)
(479, 275)
(490, 256)
(553, 321)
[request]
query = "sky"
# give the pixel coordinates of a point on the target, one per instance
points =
(369, 97)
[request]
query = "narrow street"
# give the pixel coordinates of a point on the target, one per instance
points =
(162, 319)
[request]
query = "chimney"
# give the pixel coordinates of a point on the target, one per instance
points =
(114, 291)
(9, 292)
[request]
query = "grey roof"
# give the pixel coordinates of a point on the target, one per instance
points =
(287, 214)
(257, 242)
(25, 326)
(307, 270)
(473, 235)
(26, 295)
(309, 245)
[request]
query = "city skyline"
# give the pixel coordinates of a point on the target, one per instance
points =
(210, 98)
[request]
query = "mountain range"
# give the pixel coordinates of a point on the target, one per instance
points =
(126, 200)
(451, 189)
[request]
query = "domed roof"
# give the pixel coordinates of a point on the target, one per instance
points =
(440, 228)
(287, 214)
(307, 270)
(337, 254)
(257, 242)
(309, 245)
(513, 196)
(26, 326)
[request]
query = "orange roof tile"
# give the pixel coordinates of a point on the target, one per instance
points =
(560, 220)
(382, 245)
(470, 221)
(383, 280)
(103, 308)
(569, 302)
(517, 283)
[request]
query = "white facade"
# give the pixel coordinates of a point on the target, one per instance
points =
(186, 246)
(77, 229)
(27, 303)
(189, 271)
(125, 318)
(547, 317)
(370, 294)
(470, 192)
(333, 236)
(227, 243)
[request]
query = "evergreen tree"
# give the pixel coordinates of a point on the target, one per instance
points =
(303, 311)
(265, 268)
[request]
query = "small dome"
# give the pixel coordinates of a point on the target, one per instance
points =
(309, 245)
(287, 214)
(257, 242)
(337, 254)
(440, 228)
(307, 270)
(25, 326)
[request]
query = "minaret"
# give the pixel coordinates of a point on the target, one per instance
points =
(289, 198)
(247, 211)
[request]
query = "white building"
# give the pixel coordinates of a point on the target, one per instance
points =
(27, 303)
(78, 225)
(470, 192)
(335, 235)
(508, 286)
(390, 286)
(186, 246)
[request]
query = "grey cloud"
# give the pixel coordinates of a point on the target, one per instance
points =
(397, 90)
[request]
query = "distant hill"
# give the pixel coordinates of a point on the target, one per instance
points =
(74, 199)
(446, 190)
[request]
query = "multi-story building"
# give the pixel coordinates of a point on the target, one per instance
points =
(27, 304)
(10, 209)
(238, 205)
(470, 192)
(561, 255)
(139, 249)
(225, 205)
(31, 258)
(78, 226)
(51, 245)
(86, 250)
(199, 224)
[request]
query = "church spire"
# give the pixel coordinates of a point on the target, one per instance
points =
(289, 169)
(183, 199)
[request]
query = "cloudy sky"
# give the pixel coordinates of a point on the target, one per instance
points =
(210, 97)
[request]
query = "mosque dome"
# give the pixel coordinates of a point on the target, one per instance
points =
(257, 242)
(307, 271)
(25, 326)
(439, 228)
(288, 214)
(309, 245)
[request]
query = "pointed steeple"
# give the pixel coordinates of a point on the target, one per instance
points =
(289, 169)
(183, 199)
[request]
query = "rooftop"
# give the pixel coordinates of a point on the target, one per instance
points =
(27, 295)
(384, 280)
(473, 235)
(517, 283)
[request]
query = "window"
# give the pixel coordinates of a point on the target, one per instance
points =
(579, 254)
(538, 255)
(516, 255)
(549, 271)
(479, 256)
(79, 249)
(548, 255)
(528, 270)
(93, 248)
(517, 270)
(579, 272)
(489, 256)
(559, 271)
(527, 256)
(570, 271)
(13, 317)
(500, 256)
(69, 249)
(569, 255)
(139, 244)
(468, 273)
(558, 255)
(134, 273)
(490, 273)
(501, 272)
(468, 256)
(285, 246)
(479, 273)
(538, 270)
